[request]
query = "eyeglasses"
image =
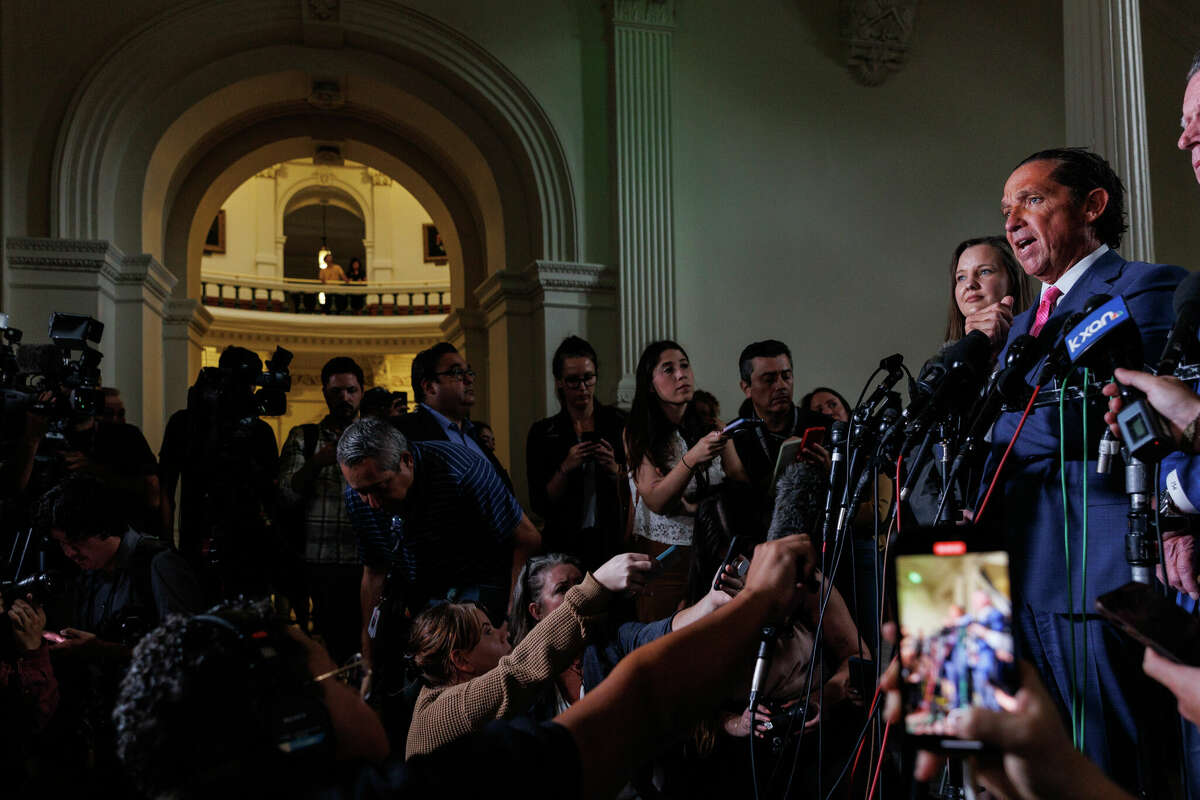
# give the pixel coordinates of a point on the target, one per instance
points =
(458, 374)
(575, 381)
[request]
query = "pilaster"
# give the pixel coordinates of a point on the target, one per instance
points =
(1106, 102)
(185, 322)
(641, 78)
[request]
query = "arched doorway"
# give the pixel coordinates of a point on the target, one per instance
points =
(145, 157)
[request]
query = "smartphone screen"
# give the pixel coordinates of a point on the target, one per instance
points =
(956, 643)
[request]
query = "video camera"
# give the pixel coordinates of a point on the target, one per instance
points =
(69, 370)
(227, 392)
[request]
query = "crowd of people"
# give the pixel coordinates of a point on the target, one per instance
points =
(371, 610)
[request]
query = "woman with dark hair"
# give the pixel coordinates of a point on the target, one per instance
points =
(574, 462)
(987, 289)
(675, 458)
(827, 401)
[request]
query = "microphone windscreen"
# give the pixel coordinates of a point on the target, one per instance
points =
(799, 500)
(1187, 292)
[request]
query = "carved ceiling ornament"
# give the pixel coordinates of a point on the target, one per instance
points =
(323, 10)
(877, 35)
(653, 13)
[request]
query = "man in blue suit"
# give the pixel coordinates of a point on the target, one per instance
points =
(1064, 216)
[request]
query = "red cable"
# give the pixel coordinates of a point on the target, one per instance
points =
(1000, 466)
(870, 711)
(879, 764)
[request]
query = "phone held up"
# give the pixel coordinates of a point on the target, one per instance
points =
(953, 597)
(1141, 611)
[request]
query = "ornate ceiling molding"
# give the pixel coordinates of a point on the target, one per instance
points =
(646, 13)
(877, 35)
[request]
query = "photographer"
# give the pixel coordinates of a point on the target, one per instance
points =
(228, 461)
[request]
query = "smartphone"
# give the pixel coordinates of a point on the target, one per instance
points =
(953, 598)
(52, 637)
(592, 437)
(1144, 614)
(812, 436)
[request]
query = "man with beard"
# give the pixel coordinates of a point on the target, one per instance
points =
(311, 489)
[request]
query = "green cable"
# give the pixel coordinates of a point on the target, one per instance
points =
(1083, 588)
(1062, 479)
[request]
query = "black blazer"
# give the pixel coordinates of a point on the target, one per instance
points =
(421, 426)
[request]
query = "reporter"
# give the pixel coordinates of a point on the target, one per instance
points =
(675, 459)
(473, 676)
(987, 288)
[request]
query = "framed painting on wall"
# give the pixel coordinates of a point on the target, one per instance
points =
(435, 249)
(214, 241)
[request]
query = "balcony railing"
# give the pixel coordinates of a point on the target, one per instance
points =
(303, 296)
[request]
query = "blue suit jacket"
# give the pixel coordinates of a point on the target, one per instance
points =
(1031, 502)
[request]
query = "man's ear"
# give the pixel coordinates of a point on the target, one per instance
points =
(1095, 203)
(745, 387)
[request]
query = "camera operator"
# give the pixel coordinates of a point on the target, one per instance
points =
(228, 461)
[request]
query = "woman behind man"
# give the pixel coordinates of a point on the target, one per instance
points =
(987, 289)
(574, 463)
(675, 459)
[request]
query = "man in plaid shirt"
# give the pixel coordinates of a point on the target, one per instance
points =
(311, 488)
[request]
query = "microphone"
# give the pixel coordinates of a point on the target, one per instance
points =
(762, 664)
(895, 371)
(1059, 361)
(1182, 340)
(964, 361)
(796, 500)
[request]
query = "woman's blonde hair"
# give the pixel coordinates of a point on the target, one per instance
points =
(436, 633)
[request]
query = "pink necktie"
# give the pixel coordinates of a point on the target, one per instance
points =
(1045, 308)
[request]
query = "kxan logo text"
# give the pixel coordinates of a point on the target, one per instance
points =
(1107, 317)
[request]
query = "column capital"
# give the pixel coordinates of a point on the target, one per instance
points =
(643, 13)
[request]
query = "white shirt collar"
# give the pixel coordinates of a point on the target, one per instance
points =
(1072, 276)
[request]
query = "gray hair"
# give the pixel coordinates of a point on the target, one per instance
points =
(530, 583)
(1192, 70)
(372, 438)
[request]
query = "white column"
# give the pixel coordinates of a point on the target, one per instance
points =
(641, 63)
(1106, 102)
(127, 293)
(267, 261)
(184, 324)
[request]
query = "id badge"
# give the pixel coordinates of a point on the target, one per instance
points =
(373, 625)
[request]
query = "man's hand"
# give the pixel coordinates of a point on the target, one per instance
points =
(1183, 681)
(28, 622)
(1179, 560)
(75, 640)
(1177, 404)
(993, 320)
(627, 572)
(325, 456)
(778, 571)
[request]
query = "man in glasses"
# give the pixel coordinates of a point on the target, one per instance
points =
(444, 387)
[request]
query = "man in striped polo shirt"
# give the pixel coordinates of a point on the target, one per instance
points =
(436, 516)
